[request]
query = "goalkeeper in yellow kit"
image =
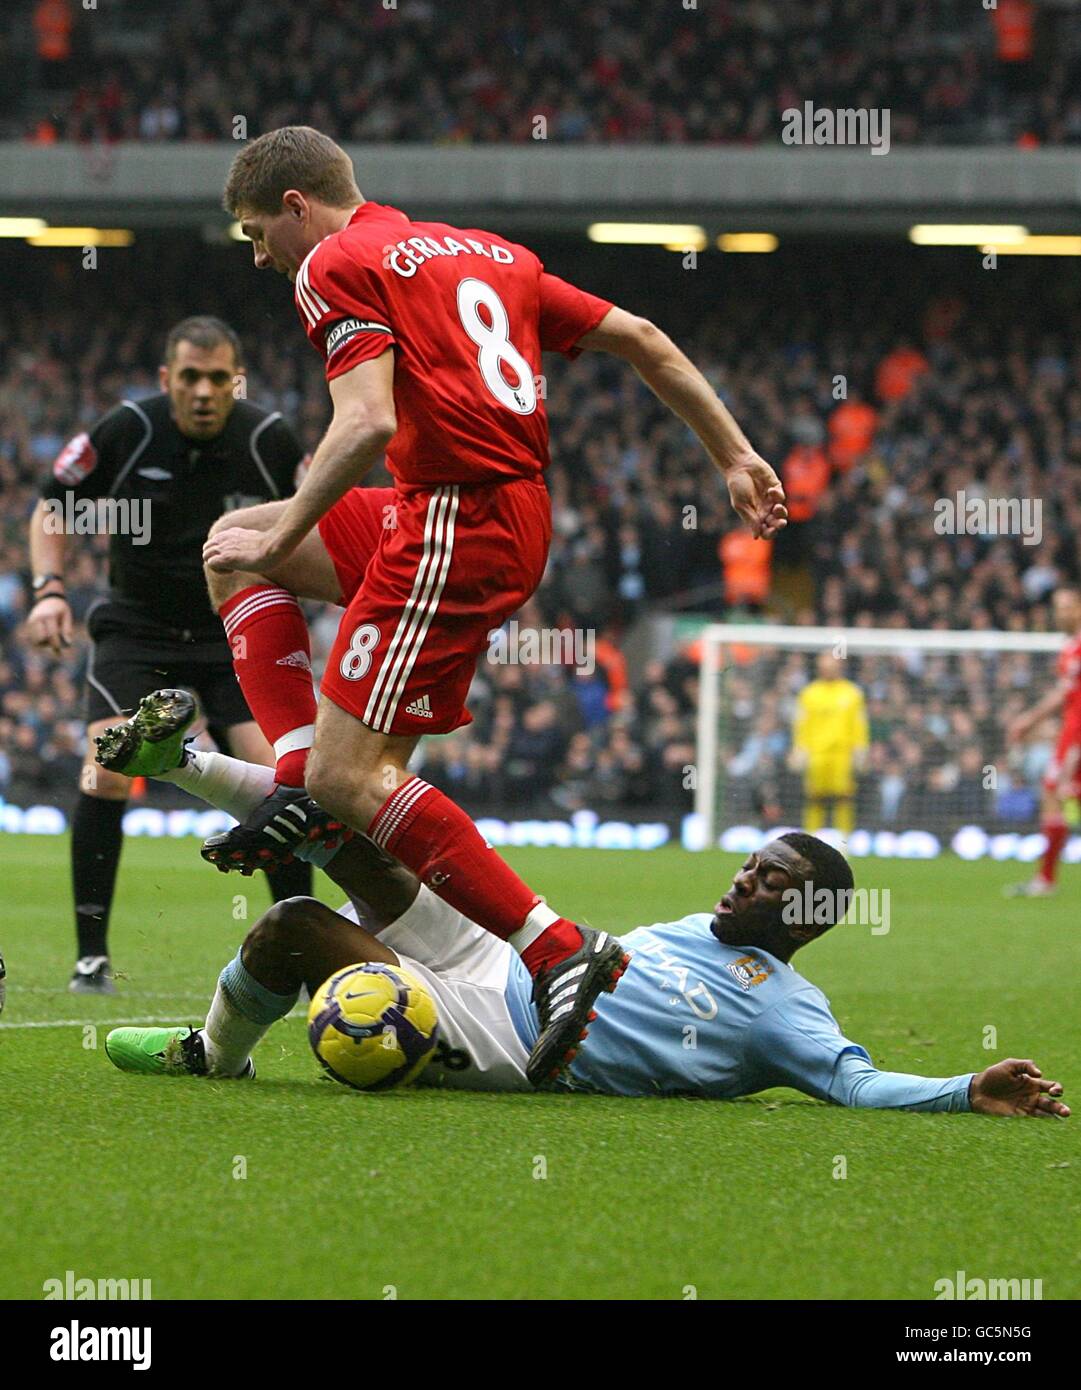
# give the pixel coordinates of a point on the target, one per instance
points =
(829, 745)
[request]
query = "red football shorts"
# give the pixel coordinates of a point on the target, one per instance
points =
(1063, 775)
(426, 577)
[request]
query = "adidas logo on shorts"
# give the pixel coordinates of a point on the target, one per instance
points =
(421, 707)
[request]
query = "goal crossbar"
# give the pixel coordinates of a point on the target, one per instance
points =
(878, 639)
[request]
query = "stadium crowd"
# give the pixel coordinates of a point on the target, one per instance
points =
(873, 405)
(724, 71)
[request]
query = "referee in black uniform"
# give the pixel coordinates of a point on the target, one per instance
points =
(170, 466)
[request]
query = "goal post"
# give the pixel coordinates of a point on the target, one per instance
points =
(934, 699)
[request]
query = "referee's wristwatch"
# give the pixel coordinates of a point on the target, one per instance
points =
(41, 581)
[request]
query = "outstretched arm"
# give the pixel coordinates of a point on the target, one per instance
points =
(49, 622)
(857, 1082)
(1051, 703)
(1011, 1087)
(797, 1043)
(86, 468)
(753, 486)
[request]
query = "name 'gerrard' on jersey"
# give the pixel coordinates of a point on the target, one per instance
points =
(468, 315)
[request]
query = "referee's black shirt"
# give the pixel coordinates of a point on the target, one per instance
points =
(136, 452)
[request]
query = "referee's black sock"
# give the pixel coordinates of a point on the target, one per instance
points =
(96, 841)
(290, 880)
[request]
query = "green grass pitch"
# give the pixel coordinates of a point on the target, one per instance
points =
(438, 1196)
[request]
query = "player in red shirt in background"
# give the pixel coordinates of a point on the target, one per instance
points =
(432, 338)
(1062, 781)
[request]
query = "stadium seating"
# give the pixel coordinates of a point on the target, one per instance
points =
(947, 71)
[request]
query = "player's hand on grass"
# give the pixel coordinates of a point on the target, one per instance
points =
(49, 624)
(236, 548)
(757, 496)
(1015, 1087)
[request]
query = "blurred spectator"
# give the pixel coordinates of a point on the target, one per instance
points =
(747, 566)
(53, 23)
(613, 663)
(805, 474)
(851, 431)
(533, 754)
(1015, 25)
(897, 372)
(591, 692)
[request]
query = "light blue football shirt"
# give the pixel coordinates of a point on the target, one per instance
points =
(692, 1016)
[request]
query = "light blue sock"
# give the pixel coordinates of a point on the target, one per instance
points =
(241, 1013)
(251, 999)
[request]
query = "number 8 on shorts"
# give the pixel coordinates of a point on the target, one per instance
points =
(358, 655)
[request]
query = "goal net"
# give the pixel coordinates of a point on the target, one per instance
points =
(895, 741)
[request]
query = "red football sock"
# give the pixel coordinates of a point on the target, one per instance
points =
(438, 841)
(554, 944)
(272, 660)
(1056, 837)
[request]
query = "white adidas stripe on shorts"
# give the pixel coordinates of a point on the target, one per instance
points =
(419, 610)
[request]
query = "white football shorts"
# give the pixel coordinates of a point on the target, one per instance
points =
(466, 971)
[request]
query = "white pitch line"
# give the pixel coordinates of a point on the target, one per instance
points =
(87, 1022)
(54, 990)
(109, 1022)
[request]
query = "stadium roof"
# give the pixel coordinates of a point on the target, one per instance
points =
(809, 188)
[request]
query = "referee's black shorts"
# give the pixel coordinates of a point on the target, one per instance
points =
(129, 658)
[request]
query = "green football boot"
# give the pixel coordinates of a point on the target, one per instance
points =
(152, 740)
(162, 1052)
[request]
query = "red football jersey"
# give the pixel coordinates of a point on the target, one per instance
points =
(467, 313)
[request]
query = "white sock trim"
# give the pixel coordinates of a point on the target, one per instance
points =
(266, 596)
(226, 783)
(535, 925)
(228, 1037)
(301, 737)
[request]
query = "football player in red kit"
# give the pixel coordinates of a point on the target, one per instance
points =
(1062, 780)
(432, 338)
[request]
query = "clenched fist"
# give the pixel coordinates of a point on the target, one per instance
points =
(49, 624)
